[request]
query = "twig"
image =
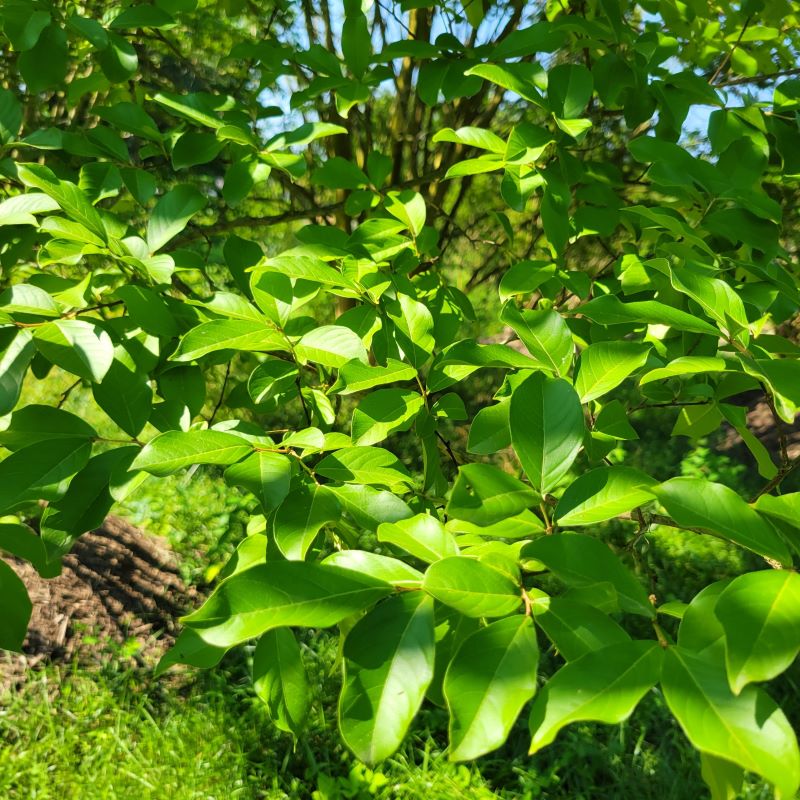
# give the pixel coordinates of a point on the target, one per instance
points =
(730, 52)
(221, 393)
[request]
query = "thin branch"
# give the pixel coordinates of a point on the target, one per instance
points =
(759, 78)
(221, 394)
(729, 54)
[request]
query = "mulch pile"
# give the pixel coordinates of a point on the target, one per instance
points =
(119, 596)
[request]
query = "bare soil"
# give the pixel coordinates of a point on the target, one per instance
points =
(119, 596)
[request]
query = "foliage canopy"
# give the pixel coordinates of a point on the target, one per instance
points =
(537, 157)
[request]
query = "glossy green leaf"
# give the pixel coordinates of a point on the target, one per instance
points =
(384, 568)
(86, 503)
(384, 412)
(545, 334)
(37, 423)
(603, 367)
(279, 679)
(300, 518)
(760, 615)
(173, 450)
(576, 628)
(266, 475)
(603, 686)
(422, 536)
(584, 561)
(365, 465)
(281, 594)
(484, 495)
(472, 587)
(331, 346)
(229, 334)
(489, 431)
(171, 214)
(686, 365)
(356, 376)
(41, 471)
(697, 503)
(547, 429)
(79, 347)
(388, 665)
(602, 494)
(749, 730)
(16, 609)
(491, 677)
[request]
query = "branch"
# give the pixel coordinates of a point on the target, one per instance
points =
(729, 54)
(759, 78)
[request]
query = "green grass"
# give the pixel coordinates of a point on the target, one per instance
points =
(73, 735)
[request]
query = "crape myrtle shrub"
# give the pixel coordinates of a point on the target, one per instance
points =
(250, 236)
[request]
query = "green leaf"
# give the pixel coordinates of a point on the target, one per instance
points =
(173, 450)
(14, 363)
(10, 115)
(601, 494)
(192, 149)
(697, 503)
(384, 412)
(576, 628)
(409, 208)
(300, 518)
(686, 365)
(489, 431)
(365, 465)
(749, 730)
(271, 379)
(547, 429)
(331, 346)
(760, 614)
(603, 367)
(229, 334)
(356, 376)
(190, 649)
(388, 666)
(484, 495)
(384, 568)
(280, 681)
(723, 778)
(21, 541)
(545, 334)
(414, 328)
(282, 594)
(264, 474)
(118, 60)
(370, 507)
(125, 394)
(785, 508)
(602, 686)
(569, 89)
(489, 680)
(41, 471)
(472, 587)
(338, 173)
(584, 561)
(610, 310)
(79, 347)
(519, 78)
(35, 423)
(472, 137)
(422, 536)
(16, 609)
(171, 214)
(86, 503)
(68, 196)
